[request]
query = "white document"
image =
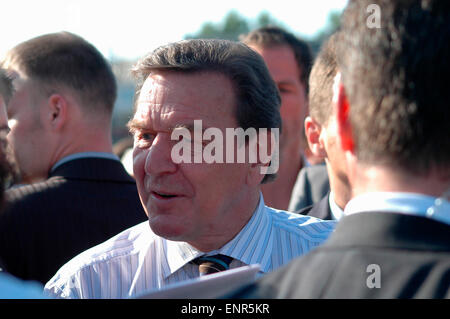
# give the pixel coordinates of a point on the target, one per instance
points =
(206, 287)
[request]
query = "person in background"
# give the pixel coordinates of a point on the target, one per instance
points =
(10, 287)
(210, 210)
(320, 128)
(289, 61)
(78, 194)
(391, 104)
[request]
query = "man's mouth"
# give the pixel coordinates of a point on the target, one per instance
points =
(163, 195)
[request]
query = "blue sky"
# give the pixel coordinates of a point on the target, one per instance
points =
(131, 28)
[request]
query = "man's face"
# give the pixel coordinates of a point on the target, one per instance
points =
(284, 70)
(27, 136)
(190, 202)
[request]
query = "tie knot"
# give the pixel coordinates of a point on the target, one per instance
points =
(212, 264)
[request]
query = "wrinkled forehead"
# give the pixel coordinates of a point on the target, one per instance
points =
(197, 96)
(151, 84)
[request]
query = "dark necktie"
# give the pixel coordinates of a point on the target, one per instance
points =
(212, 264)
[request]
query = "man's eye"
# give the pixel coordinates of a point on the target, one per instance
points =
(284, 90)
(146, 136)
(144, 139)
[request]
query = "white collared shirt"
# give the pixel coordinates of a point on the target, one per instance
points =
(402, 203)
(137, 260)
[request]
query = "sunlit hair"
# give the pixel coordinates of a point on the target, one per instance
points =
(321, 82)
(67, 60)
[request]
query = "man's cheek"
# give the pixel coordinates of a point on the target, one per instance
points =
(138, 162)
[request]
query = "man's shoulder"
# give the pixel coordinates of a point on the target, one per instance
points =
(301, 224)
(30, 192)
(130, 241)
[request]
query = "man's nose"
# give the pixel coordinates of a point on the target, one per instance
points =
(159, 159)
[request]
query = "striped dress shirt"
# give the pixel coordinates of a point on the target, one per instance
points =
(136, 260)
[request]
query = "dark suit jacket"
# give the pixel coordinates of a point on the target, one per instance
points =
(83, 203)
(311, 186)
(413, 255)
(320, 210)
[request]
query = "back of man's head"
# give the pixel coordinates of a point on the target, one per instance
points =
(271, 36)
(321, 82)
(396, 81)
(67, 60)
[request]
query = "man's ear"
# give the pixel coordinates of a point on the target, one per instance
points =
(342, 111)
(267, 155)
(57, 111)
(313, 132)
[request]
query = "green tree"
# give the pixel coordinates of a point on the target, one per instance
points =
(265, 19)
(232, 25)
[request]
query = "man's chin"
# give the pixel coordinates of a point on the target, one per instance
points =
(168, 230)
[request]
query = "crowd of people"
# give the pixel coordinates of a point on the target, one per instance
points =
(359, 206)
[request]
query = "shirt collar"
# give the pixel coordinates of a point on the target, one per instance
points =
(84, 155)
(179, 253)
(336, 211)
(236, 248)
(402, 203)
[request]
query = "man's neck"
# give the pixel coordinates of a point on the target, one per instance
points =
(340, 187)
(84, 140)
(231, 224)
(384, 179)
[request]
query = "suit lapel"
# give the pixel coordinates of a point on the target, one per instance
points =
(322, 209)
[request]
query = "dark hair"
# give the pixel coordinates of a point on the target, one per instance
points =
(396, 80)
(6, 88)
(271, 36)
(321, 81)
(65, 59)
(257, 98)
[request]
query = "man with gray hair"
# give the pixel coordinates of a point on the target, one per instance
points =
(203, 210)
